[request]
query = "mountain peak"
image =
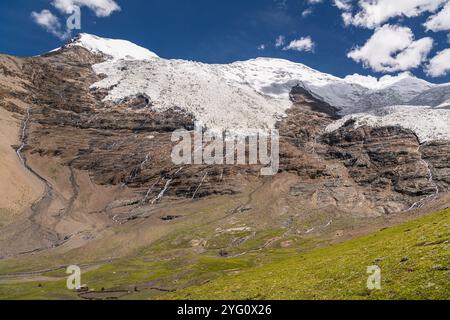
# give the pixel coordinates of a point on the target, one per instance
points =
(115, 49)
(385, 81)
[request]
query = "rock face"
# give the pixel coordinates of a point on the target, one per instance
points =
(386, 161)
(127, 146)
(380, 170)
(437, 155)
(114, 144)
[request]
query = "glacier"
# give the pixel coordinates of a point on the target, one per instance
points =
(255, 94)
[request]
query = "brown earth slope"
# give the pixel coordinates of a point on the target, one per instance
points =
(95, 171)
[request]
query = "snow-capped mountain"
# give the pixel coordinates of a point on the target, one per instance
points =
(114, 49)
(427, 123)
(436, 96)
(398, 90)
(255, 93)
(88, 168)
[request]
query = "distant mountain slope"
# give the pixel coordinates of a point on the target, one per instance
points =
(426, 122)
(396, 93)
(435, 96)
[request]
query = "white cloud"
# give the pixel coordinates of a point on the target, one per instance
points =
(347, 17)
(373, 13)
(440, 64)
(281, 40)
(49, 22)
(345, 5)
(261, 47)
(307, 12)
(302, 44)
(439, 21)
(101, 8)
(392, 48)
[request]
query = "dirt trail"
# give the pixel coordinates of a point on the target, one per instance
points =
(251, 195)
(28, 276)
(66, 212)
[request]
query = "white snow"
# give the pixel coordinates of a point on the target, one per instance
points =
(255, 93)
(383, 82)
(427, 123)
(276, 77)
(197, 88)
(446, 104)
(115, 49)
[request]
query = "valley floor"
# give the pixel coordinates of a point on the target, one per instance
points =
(414, 259)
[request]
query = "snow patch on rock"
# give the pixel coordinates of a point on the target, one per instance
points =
(112, 48)
(383, 82)
(276, 78)
(197, 88)
(427, 123)
(255, 94)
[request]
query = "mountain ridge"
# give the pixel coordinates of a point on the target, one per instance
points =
(256, 93)
(98, 132)
(98, 44)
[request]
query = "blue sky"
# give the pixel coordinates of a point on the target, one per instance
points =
(222, 31)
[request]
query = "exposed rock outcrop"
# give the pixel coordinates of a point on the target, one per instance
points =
(127, 146)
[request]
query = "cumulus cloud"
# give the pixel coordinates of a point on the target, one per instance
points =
(373, 13)
(302, 44)
(392, 48)
(345, 5)
(101, 8)
(439, 21)
(49, 22)
(440, 64)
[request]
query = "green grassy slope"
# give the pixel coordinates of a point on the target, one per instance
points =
(414, 259)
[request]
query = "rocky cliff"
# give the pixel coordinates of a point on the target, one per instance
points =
(106, 162)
